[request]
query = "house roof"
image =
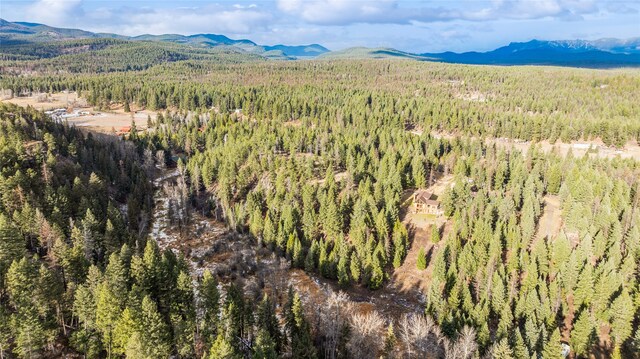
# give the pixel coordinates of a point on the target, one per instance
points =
(432, 202)
(425, 197)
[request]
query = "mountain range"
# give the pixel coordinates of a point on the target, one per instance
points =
(580, 53)
(598, 53)
(21, 32)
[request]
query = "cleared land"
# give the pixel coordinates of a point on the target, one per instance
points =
(408, 278)
(551, 220)
(595, 147)
(103, 121)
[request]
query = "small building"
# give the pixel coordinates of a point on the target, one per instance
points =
(424, 202)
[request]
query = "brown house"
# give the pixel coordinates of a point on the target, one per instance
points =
(424, 202)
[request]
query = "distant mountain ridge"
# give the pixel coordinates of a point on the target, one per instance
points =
(16, 32)
(354, 53)
(606, 52)
(598, 53)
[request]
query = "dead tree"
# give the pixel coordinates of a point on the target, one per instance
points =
(421, 336)
(366, 336)
(333, 318)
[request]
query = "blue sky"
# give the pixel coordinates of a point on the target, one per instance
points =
(417, 26)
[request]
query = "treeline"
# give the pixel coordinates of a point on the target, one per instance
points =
(529, 104)
(106, 55)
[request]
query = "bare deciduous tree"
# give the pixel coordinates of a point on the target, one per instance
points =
(465, 347)
(161, 160)
(178, 201)
(366, 335)
(147, 159)
(421, 336)
(332, 320)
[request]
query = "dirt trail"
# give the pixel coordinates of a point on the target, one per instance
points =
(408, 278)
(551, 220)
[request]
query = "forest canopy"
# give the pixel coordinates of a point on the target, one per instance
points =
(313, 161)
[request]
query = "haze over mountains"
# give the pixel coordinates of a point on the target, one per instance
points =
(580, 53)
(20, 32)
(603, 52)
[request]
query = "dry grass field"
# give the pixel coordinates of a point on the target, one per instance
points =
(103, 121)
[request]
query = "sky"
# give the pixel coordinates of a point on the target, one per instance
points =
(415, 26)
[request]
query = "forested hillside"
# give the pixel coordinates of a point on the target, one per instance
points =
(316, 161)
(107, 55)
(79, 276)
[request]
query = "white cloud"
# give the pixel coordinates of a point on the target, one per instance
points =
(341, 12)
(54, 12)
(346, 12)
(229, 20)
(240, 6)
(413, 25)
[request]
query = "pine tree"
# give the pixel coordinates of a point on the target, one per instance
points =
(435, 233)
(343, 271)
(519, 348)
(28, 332)
(12, 247)
(421, 261)
(183, 316)
(107, 315)
(297, 258)
(266, 321)
(418, 172)
(584, 290)
(377, 274)
(617, 353)
(264, 347)
(621, 317)
(135, 347)
(390, 342)
(552, 348)
(298, 328)
(501, 350)
(332, 222)
(234, 317)
(221, 349)
(269, 231)
(124, 329)
(210, 305)
(582, 333)
(154, 334)
(355, 267)
(5, 331)
(400, 243)
(116, 277)
(310, 260)
(27, 328)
